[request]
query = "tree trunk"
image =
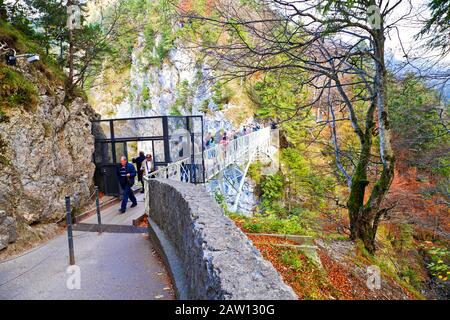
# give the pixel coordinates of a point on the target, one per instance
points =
(365, 217)
(358, 189)
(70, 56)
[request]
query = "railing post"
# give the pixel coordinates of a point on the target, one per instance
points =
(97, 204)
(69, 231)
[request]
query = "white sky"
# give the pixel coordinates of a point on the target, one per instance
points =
(408, 28)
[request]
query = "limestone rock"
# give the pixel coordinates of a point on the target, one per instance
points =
(8, 232)
(49, 155)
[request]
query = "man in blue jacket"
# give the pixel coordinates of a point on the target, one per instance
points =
(126, 173)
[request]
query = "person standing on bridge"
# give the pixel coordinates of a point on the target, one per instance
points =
(147, 165)
(139, 160)
(126, 173)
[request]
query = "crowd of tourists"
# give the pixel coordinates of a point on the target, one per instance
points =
(225, 137)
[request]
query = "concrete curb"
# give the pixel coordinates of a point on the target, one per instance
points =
(171, 259)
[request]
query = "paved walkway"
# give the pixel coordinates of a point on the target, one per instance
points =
(112, 265)
(113, 216)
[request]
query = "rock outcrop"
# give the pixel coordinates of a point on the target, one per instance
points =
(46, 154)
(8, 230)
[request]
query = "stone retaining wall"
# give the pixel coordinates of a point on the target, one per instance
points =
(217, 259)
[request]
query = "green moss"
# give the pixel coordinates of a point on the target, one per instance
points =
(174, 111)
(16, 90)
(16, 39)
(393, 264)
(22, 44)
(292, 259)
(48, 129)
(3, 117)
(204, 107)
(145, 94)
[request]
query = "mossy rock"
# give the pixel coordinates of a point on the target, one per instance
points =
(54, 74)
(16, 90)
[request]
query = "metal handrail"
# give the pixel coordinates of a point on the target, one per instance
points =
(217, 158)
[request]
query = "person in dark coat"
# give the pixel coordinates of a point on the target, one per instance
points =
(126, 174)
(139, 160)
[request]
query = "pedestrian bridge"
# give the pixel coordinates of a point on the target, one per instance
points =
(225, 165)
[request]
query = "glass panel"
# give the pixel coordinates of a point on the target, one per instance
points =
(195, 125)
(125, 129)
(198, 144)
(101, 130)
(149, 127)
(138, 128)
(120, 151)
(146, 147)
(176, 124)
(103, 152)
(180, 145)
(132, 150)
(159, 151)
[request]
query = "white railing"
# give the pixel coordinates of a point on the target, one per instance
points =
(217, 158)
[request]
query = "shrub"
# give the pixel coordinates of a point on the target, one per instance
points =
(271, 192)
(220, 199)
(254, 172)
(438, 266)
(222, 95)
(174, 111)
(204, 107)
(274, 224)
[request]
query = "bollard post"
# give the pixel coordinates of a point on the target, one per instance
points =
(69, 231)
(99, 217)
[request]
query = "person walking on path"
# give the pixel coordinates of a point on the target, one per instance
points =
(140, 172)
(126, 173)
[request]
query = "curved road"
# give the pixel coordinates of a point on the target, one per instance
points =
(112, 266)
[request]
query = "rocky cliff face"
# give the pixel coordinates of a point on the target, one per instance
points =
(46, 154)
(179, 86)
